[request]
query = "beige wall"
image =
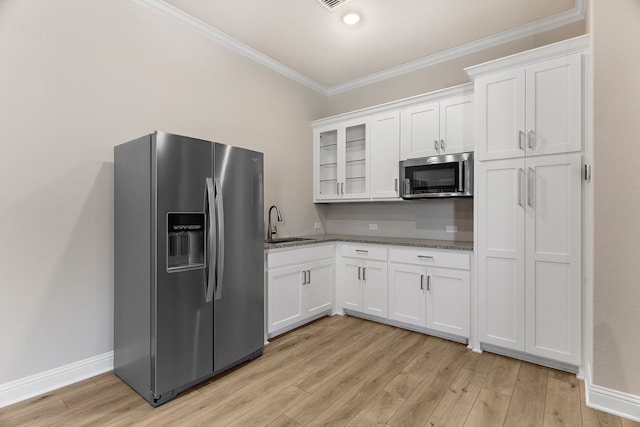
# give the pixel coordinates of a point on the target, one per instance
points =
(615, 28)
(77, 78)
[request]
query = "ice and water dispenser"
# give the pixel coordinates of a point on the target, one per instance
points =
(185, 241)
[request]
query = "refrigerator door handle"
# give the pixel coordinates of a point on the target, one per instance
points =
(220, 258)
(209, 196)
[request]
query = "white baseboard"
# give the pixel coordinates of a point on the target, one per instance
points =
(612, 401)
(34, 385)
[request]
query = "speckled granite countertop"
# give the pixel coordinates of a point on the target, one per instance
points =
(400, 241)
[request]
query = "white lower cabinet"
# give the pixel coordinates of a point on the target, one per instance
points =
(430, 288)
(362, 272)
(299, 286)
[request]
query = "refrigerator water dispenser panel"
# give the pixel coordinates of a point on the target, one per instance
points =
(185, 241)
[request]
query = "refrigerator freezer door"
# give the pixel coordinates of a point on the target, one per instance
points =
(239, 300)
(182, 321)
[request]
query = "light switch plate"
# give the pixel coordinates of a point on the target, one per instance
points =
(373, 226)
(317, 226)
(452, 228)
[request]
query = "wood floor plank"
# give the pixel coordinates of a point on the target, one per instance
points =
(422, 402)
(528, 399)
(415, 372)
(562, 404)
(341, 370)
(481, 362)
(347, 407)
(337, 385)
(33, 412)
(456, 404)
(378, 411)
(272, 408)
(242, 403)
(489, 410)
(342, 357)
(589, 415)
(502, 376)
(284, 421)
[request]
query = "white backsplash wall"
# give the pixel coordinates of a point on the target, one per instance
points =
(425, 219)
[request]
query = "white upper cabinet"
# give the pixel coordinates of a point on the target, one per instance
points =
(442, 127)
(530, 110)
(385, 155)
(341, 166)
(420, 131)
(356, 155)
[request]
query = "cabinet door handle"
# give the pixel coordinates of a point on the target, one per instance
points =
(342, 188)
(364, 275)
(520, 136)
(442, 144)
(337, 188)
(308, 277)
(435, 145)
(395, 186)
(422, 282)
(530, 196)
(303, 277)
(359, 270)
(428, 283)
(520, 184)
(531, 139)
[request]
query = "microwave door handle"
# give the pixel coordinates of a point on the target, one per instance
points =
(461, 177)
(209, 196)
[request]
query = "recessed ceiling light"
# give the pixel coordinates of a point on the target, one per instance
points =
(351, 18)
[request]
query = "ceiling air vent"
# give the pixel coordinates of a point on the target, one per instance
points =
(332, 4)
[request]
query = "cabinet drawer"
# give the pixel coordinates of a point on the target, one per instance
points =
(363, 251)
(431, 257)
(299, 255)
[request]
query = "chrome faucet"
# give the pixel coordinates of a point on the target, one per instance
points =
(272, 230)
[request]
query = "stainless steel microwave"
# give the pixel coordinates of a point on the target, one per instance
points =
(448, 175)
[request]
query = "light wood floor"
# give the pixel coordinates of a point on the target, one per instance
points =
(339, 371)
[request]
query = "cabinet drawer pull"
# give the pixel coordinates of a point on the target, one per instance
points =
(425, 256)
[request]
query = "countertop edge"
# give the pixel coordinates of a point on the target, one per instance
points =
(374, 240)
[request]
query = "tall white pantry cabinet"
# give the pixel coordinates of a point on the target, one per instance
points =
(529, 136)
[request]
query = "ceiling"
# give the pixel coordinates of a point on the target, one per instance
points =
(304, 40)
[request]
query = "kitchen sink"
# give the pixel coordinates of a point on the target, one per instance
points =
(286, 239)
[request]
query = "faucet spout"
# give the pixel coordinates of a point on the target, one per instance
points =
(271, 230)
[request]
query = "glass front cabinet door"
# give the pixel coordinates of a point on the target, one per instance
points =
(341, 161)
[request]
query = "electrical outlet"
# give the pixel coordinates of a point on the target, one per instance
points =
(452, 228)
(317, 226)
(373, 226)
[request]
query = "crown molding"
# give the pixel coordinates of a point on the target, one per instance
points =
(231, 43)
(545, 24)
(530, 29)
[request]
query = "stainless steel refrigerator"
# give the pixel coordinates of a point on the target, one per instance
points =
(188, 261)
